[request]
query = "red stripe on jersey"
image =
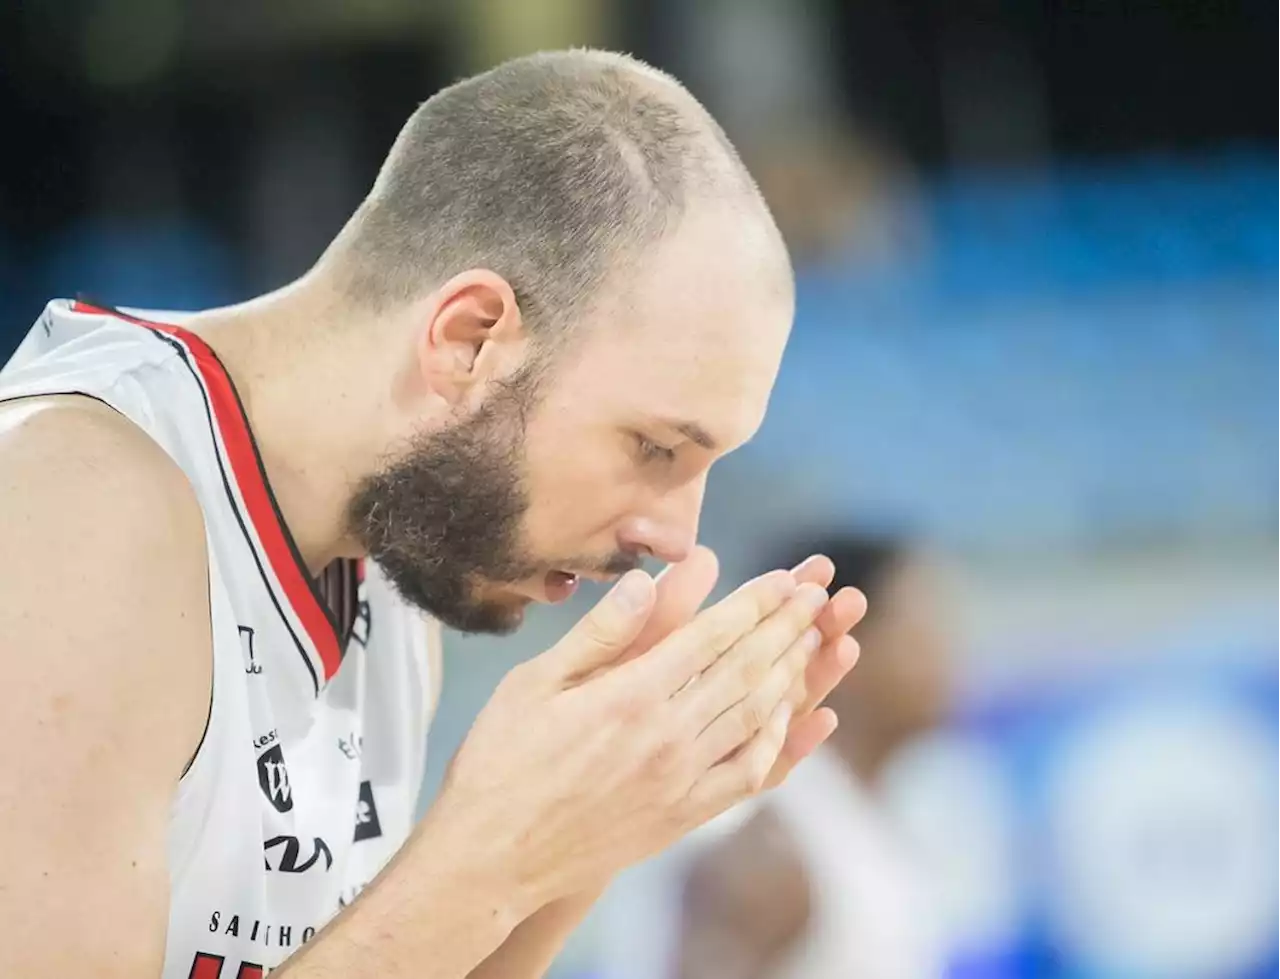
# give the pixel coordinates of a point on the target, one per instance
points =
(247, 468)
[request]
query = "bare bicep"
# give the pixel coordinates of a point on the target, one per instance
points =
(106, 652)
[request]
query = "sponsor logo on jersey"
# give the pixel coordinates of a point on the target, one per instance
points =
(288, 860)
(251, 664)
(255, 930)
(360, 626)
(274, 779)
(368, 825)
(352, 746)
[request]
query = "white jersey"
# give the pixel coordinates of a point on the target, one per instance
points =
(870, 913)
(306, 780)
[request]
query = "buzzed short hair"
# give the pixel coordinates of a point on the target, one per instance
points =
(549, 170)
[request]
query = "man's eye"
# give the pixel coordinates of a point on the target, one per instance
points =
(651, 451)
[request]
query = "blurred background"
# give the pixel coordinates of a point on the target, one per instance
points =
(1036, 247)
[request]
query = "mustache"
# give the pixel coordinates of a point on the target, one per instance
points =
(616, 564)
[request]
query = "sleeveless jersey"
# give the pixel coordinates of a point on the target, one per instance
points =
(306, 780)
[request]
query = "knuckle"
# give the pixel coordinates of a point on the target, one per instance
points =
(754, 716)
(754, 671)
(764, 601)
(722, 633)
(796, 662)
(809, 601)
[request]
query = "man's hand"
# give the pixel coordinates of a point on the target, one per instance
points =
(812, 724)
(683, 587)
(590, 757)
(586, 761)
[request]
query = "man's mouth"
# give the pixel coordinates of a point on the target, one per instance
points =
(559, 586)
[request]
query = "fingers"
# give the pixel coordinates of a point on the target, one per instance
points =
(690, 650)
(737, 725)
(817, 568)
(604, 632)
(803, 738)
(747, 771)
(843, 612)
(831, 665)
(741, 671)
(682, 588)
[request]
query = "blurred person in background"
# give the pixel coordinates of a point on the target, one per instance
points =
(562, 301)
(818, 883)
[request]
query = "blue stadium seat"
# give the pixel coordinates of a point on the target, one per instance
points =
(164, 265)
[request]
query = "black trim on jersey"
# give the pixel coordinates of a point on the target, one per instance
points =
(231, 499)
(339, 632)
(208, 716)
(307, 576)
(63, 394)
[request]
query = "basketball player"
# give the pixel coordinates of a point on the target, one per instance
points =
(817, 883)
(562, 301)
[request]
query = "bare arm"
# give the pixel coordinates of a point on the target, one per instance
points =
(105, 646)
(533, 946)
(746, 902)
(105, 642)
(569, 774)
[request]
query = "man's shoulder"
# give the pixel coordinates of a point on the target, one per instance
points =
(108, 575)
(74, 453)
(97, 516)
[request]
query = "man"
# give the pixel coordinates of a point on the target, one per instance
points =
(561, 302)
(817, 883)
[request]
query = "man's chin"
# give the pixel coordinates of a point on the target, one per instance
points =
(490, 617)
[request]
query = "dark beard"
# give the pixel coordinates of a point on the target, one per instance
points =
(446, 516)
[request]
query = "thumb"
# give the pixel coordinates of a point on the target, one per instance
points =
(607, 629)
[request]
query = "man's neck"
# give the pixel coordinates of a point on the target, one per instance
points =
(315, 428)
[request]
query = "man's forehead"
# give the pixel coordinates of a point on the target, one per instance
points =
(693, 332)
(709, 389)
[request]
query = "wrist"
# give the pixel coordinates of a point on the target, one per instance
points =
(483, 864)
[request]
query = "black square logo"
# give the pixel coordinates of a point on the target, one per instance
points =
(367, 825)
(274, 778)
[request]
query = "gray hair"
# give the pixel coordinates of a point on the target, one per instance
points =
(549, 170)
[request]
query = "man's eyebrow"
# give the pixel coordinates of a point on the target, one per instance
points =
(694, 432)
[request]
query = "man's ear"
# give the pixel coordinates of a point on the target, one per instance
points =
(472, 331)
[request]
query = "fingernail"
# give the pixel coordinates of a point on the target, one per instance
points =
(810, 640)
(812, 596)
(632, 592)
(783, 715)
